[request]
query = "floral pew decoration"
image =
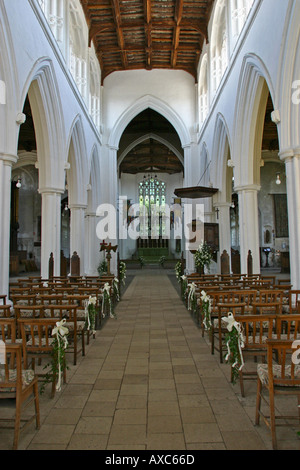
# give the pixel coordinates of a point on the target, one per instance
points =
(122, 271)
(191, 297)
(205, 305)
(90, 314)
(58, 365)
(107, 304)
(184, 284)
(235, 342)
(178, 271)
(116, 289)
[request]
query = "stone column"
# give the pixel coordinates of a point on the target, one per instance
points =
(249, 230)
(92, 245)
(77, 233)
(6, 162)
(224, 225)
(292, 169)
(51, 229)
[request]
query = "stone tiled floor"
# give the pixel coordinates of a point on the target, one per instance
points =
(149, 382)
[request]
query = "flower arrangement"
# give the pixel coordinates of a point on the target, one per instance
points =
(106, 301)
(192, 299)
(90, 313)
(184, 284)
(142, 261)
(58, 363)
(162, 260)
(235, 342)
(102, 268)
(122, 272)
(206, 310)
(203, 256)
(178, 271)
(115, 286)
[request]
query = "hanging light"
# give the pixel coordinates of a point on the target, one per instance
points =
(18, 184)
(278, 180)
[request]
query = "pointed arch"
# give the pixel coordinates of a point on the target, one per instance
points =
(140, 105)
(77, 177)
(42, 89)
(221, 151)
(254, 86)
(146, 137)
(94, 178)
(8, 102)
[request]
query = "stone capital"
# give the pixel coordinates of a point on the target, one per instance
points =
(8, 158)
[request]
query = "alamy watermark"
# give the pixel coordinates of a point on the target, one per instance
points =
(138, 221)
(2, 352)
(296, 93)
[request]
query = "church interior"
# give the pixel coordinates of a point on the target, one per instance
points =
(150, 202)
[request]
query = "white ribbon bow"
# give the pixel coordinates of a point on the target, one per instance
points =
(207, 319)
(231, 323)
(60, 331)
(192, 289)
(106, 290)
(91, 301)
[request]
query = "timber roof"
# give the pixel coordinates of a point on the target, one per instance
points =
(148, 34)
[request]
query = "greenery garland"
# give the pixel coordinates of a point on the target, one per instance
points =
(191, 295)
(162, 260)
(58, 357)
(122, 272)
(235, 342)
(178, 271)
(184, 284)
(90, 310)
(107, 304)
(206, 310)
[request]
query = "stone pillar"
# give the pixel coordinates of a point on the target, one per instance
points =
(51, 229)
(224, 229)
(77, 235)
(92, 246)
(292, 169)
(249, 230)
(6, 162)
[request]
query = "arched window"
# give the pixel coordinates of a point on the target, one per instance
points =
(78, 46)
(94, 92)
(152, 201)
(239, 12)
(219, 47)
(54, 13)
(203, 90)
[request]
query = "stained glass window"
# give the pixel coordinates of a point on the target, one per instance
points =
(152, 200)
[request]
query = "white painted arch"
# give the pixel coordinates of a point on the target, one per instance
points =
(149, 101)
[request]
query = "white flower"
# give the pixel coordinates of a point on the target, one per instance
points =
(60, 328)
(92, 300)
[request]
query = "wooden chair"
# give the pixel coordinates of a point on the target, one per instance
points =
(219, 328)
(294, 299)
(37, 341)
(256, 330)
(271, 296)
(76, 327)
(29, 299)
(3, 299)
(5, 311)
(20, 384)
(8, 330)
(281, 378)
(79, 301)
